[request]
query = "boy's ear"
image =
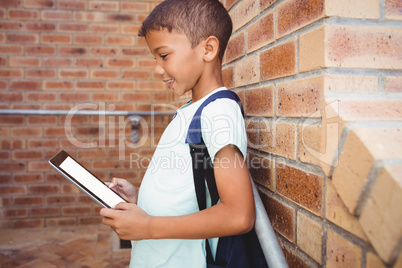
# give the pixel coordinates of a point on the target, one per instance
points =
(211, 48)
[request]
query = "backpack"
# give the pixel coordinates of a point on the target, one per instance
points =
(237, 251)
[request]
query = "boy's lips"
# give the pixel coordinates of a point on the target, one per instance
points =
(170, 82)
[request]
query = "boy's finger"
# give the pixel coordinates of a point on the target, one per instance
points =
(123, 206)
(107, 212)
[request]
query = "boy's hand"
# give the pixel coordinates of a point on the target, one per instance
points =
(125, 189)
(127, 220)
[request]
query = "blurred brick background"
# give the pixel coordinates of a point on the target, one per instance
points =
(321, 82)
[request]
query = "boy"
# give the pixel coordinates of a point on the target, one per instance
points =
(188, 39)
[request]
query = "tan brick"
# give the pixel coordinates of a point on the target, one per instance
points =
(295, 14)
(341, 252)
(89, 16)
(278, 138)
(373, 261)
(282, 216)
(393, 84)
(264, 4)
(261, 170)
(364, 9)
(300, 98)
(356, 84)
(363, 147)
(338, 213)
(393, 9)
(300, 186)
(244, 12)
(259, 101)
(381, 217)
(104, 28)
(236, 47)
(247, 71)
(312, 50)
(284, 57)
(309, 236)
(260, 33)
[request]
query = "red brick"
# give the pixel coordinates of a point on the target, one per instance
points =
(236, 47)
(11, 73)
(12, 144)
(40, 50)
(284, 56)
(11, 26)
(120, 63)
(104, 74)
(90, 85)
(302, 187)
(61, 222)
(120, 85)
(135, 52)
(5, 179)
(89, 63)
(228, 77)
(4, 156)
(11, 120)
(10, 3)
(55, 39)
(72, 4)
(57, 62)
(105, 97)
(9, 50)
(130, 30)
(260, 33)
(56, 15)
(39, 3)
(89, 16)
(27, 155)
(12, 190)
(73, 27)
(28, 201)
(89, 220)
(259, 101)
(42, 143)
(41, 97)
(76, 210)
(295, 14)
(58, 85)
(3, 61)
(23, 38)
(3, 85)
(60, 200)
(40, 27)
(136, 75)
(55, 132)
(120, 18)
(43, 189)
(261, 170)
(111, 164)
(135, 6)
(282, 216)
(40, 73)
(15, 213)
(73, 73)
(29, 223)
(75, 97)
(136, 96)
(24, 62)
(18, 14)
(104, 28)
(42, 120)
(103, 5)
(26, 132)
(88, 40)
(103, 51)
(45, 212)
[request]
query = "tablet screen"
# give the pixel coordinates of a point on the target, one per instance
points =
(85, 180)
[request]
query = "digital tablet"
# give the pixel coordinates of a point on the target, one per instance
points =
(85, 180)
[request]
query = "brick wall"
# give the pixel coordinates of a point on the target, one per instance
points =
(60, 55)
(321, 83)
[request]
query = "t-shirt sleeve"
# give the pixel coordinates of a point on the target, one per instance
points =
(222, 123)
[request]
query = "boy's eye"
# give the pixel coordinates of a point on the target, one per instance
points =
(163, 56)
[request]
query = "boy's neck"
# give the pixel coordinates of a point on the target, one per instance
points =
(210, 80)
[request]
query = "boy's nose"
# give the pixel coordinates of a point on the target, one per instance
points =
(159, 69)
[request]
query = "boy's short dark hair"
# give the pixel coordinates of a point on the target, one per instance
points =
(197, 19)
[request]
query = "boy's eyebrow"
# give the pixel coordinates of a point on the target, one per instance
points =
(158, 48)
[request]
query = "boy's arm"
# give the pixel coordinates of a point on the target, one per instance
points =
(234, 214)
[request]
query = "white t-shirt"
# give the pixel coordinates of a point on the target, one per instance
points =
(167, 188)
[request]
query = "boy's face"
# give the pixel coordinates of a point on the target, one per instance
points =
(180, 65)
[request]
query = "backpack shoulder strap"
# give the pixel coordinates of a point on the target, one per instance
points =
(194, 130)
